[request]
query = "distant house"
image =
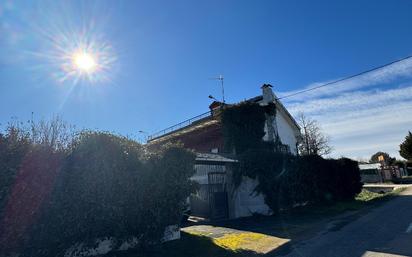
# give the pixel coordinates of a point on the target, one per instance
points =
(217, 197)
(370, 172)
(377, 172)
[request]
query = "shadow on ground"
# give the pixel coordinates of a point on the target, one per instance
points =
(298, 228)
(188, 246)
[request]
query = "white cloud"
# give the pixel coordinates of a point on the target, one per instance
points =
(359, 118)
(388, 74)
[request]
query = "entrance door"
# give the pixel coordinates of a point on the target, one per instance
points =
(217, 195)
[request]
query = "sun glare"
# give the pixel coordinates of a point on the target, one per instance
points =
(78, 55)
(84, 62)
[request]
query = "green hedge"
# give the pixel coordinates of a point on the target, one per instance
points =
(312, 179)
(14, 145)
(105, 186)
(286, 180)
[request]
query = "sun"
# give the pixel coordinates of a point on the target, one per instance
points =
(84, 62)
(83, 57)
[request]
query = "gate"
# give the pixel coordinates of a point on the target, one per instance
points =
(218, 199)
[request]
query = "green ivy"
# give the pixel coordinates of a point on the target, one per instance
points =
(243, 131)
(285, 180)
(243, 127)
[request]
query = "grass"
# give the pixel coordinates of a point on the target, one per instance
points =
(369, 197)
(363, 199)
(313, 213)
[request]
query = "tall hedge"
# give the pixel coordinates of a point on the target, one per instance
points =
(14, 145)
(312, 179)
(110, 187)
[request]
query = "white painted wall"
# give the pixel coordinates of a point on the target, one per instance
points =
(286, 132)
(245, 202)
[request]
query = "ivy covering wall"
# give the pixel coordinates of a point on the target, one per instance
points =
(284, 179)
(243, 127)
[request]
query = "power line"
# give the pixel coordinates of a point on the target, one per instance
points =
(343, 79)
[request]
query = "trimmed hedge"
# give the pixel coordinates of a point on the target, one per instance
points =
(105, 186)
(313, 180)
(14, 145)
(286, 180)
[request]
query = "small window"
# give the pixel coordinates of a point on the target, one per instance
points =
(214, 150)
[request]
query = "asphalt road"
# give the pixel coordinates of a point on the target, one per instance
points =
(384, 231)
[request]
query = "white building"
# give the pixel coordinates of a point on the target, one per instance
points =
(217, 196)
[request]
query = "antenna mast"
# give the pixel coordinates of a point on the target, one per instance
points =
(220, 78)
(223, 88)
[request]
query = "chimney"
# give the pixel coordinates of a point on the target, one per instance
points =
(267, 93)
(269, 101)
(215, 107)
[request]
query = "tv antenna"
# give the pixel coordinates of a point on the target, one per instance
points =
(220, 78)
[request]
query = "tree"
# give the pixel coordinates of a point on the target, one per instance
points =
(55, 133)
(387, 158)
(406, 147)
(313, 141)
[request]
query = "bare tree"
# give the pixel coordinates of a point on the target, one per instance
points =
(313, 140)
(55, 133)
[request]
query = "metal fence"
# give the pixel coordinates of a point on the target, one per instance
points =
(178, 126)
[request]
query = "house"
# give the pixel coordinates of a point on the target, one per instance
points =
(379, 172)
(217, 197)
(370, 172)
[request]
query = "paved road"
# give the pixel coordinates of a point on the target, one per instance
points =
(383, 231)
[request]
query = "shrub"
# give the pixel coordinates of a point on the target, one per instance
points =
(31, 188)
(110, 187)
(14, 145)
(348, 183)
(312, 179)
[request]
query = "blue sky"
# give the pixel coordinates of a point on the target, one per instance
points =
(160, 55)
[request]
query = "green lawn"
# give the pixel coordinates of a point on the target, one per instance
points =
(363, 199)
(366, 198)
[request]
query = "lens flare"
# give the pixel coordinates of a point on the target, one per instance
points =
(72, 51)
(79, 56)
(85, 62)
(84, 59)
